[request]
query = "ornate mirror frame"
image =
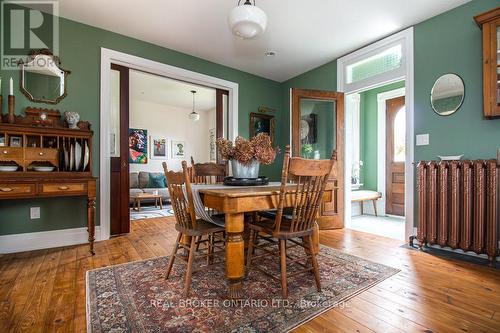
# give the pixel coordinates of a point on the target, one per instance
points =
(56, 61)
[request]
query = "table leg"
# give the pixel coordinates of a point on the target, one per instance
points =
(138, 205)
(91, 222)
(375, 207)
(235, 249)
(161, 203)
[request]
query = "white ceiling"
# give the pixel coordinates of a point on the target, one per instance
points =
(304, 33)
(157, 89)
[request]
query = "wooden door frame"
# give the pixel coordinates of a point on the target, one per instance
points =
(123, 161)
(381, 144)
(296, 95)
(111, 56)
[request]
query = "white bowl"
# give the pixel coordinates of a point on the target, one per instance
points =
(43, 168)
(451, 157)
(8, 168)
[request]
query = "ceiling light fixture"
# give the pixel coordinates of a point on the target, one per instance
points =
(193, 115)
(247, 21)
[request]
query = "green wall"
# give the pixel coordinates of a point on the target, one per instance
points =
(369, 133)
(448, 43)
(80, 53)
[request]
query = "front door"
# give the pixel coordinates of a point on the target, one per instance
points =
(395, 156)
(317, 132)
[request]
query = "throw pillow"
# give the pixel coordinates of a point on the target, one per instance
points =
(157, 180)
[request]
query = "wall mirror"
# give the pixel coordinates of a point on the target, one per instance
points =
(42, 78)
(447, 94)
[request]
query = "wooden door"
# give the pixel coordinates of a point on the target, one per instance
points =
(395, 156)
(317, 131)
(119, 194)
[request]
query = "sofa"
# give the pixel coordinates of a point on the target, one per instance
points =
(140, 183)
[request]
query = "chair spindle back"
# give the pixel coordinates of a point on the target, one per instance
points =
(208, 173)
(182, 203)
(310, 178)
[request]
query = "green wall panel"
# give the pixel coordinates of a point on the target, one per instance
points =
(80, 53)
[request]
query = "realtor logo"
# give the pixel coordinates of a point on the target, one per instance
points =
(27, 26)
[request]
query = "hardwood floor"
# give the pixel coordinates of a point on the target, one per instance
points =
(44, 291)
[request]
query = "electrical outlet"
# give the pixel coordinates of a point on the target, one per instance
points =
(422, 139)
(35, 213)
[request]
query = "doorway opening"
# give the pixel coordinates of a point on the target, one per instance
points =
(135, 90)
(378, 147)
(378, 84)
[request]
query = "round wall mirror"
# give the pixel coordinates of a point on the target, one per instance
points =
(447, 94)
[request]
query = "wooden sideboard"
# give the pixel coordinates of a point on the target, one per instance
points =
(46, 143)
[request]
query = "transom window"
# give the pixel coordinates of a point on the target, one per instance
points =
(384, 61)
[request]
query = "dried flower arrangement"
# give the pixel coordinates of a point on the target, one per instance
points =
(244, 151)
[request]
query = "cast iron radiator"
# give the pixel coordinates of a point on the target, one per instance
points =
(458, 205)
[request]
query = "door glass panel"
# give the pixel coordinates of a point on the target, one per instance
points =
(317, 128)
(399, 135)
(114, 114)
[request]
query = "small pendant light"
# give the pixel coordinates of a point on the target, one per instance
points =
(194, 116)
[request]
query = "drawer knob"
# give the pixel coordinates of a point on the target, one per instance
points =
(5, 152)
(6, 189)
(40, 153)
(63, 187)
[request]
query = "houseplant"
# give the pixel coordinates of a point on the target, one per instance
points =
(247, 155)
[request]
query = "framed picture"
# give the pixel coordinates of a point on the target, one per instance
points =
(212, 147)
(2, 141)
(16, 141)
(159, 149)
(308, 129)
(137, 146)
(261, 123)
(178, 149)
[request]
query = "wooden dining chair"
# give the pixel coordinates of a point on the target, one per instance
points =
(208, 173)
(294, 223)
(197, 231)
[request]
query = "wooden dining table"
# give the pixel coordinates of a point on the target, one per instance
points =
(234, 202)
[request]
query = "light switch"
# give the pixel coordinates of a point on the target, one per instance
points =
(35, 213)
(422, 139)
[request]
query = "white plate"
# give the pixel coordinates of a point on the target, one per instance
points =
(78, 156)
(451, 157)
(43, 168)
(71, 156)
(86, 156)
(8, 168)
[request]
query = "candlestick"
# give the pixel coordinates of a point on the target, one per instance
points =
(1, 103)
(11, 87)
(0, 85)
(10, 116)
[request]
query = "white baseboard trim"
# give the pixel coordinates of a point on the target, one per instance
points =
(45, 239)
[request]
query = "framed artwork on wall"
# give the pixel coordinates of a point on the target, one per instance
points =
(178, 149)
(308, 129)
(159, 149)
(212, 145)
(137, 146)
(261, 123)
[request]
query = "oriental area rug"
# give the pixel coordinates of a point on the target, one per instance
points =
(135, 297)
